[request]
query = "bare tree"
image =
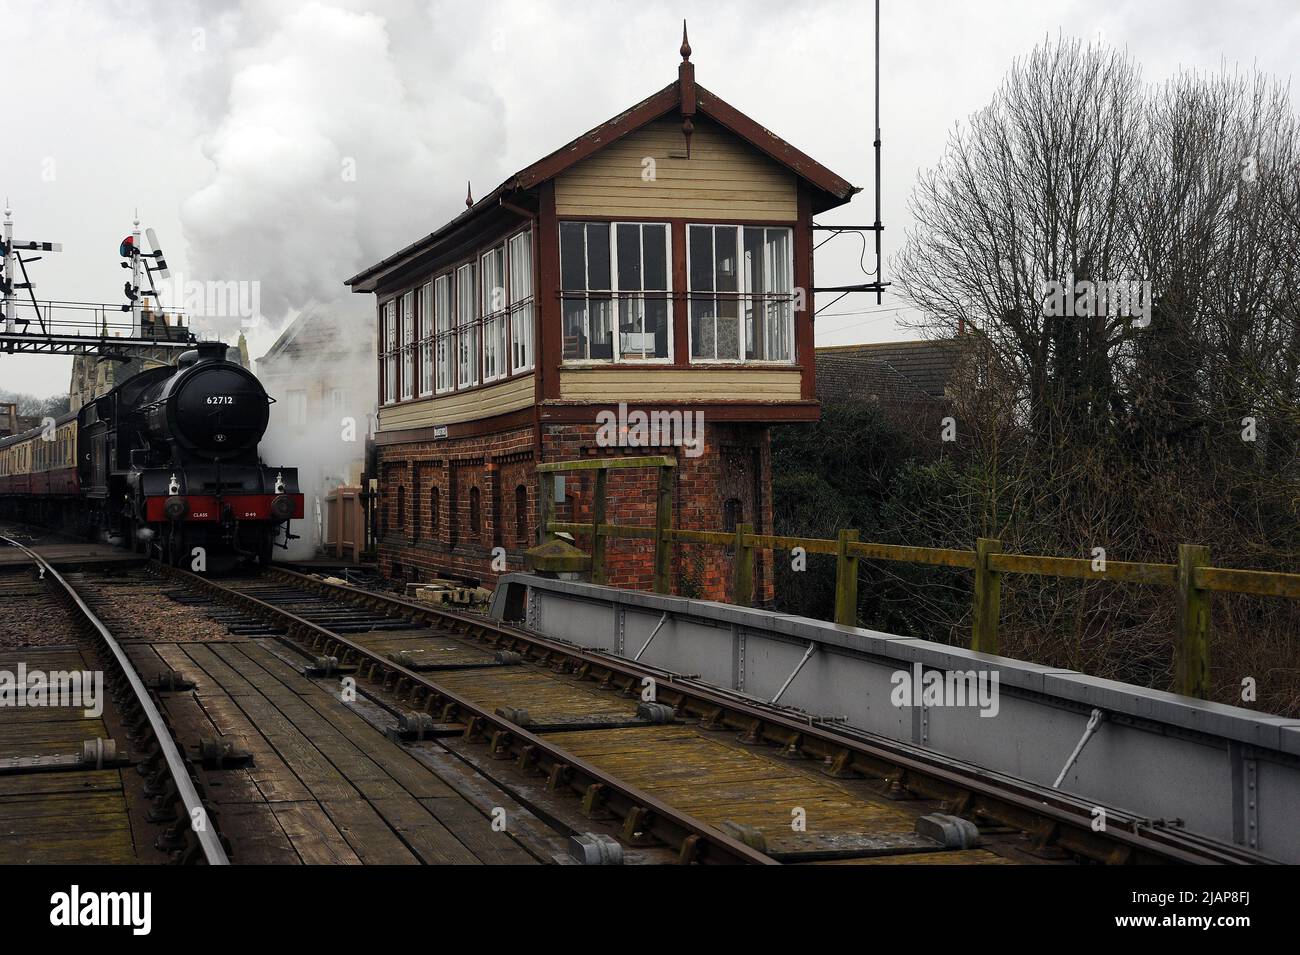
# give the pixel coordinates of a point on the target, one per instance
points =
(1100, 425)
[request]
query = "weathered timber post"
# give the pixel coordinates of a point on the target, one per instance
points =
(988, 598)
(598, 535)
(545, 505)
(743, 578)
(1192, 655)
(663, 524)
(846, 581)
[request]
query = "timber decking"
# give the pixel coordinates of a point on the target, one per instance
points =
(325, 785)
(59, 816)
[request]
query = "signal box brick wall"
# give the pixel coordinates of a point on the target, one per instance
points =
(446, 504)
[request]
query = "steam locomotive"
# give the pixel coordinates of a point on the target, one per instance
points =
(165, 463)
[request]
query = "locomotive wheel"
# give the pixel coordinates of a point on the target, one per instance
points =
(265, 548)
(174, 551)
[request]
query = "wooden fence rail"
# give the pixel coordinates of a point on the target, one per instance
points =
(1192, 578)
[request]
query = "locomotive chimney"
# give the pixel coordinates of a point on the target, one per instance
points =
(211, 351)
(203, 351)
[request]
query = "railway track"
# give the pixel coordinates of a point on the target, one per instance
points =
(52, 789)
(323, 723)
(579, 721)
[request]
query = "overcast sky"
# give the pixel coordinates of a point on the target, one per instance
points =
(231, 126)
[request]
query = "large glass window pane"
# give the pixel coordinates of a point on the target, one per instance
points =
(728, 329)
(606, 315)
(390, 352)
(703, 328)
(521, 267)
(750, 316)
(755, 324)
(493, 299)
(754, 260)
(656, 325)
(654, 245)
(600, 318)
(467, 337)
(521, 297)
(426, 339)
(724, 257)
(778, 325)
(779, 261)
(575, 329)
(521, 336)
(573, 256)
(598, 256)
(629, 257)
(494, 281)
(406, 316)
(701, 255)
(443, 332)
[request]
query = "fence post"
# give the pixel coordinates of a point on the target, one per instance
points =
(743, 579)
(597, 535)
(988, 598)
(846, 581)
(663, 524)
(545, 505)
(1192, 656)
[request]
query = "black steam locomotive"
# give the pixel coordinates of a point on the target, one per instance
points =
(166, 463)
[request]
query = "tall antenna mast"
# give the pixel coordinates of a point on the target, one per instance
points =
(878, 286)
(879, 227)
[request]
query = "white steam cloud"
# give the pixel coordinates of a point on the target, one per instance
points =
(339, 135)
(340, 142)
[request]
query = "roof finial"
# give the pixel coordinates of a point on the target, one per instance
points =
(469, 197)
(686, 44)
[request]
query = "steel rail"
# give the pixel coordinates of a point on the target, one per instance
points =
(213, 851)
(1067, 820)
(641, 812)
